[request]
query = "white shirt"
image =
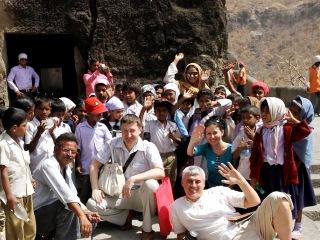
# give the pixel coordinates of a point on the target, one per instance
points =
(62, 128)
(219, 110)
(132, 109)
(269, 145)
(159, 135)
(146, 158)
(20, 78)
(45, 146)
(52, 186)
(208, 216)
(17, 160)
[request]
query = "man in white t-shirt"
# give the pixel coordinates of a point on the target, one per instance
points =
(206, 212)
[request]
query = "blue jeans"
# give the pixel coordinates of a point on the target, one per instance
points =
(55, 216)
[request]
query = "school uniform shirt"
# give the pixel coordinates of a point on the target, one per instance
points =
(52, 186)
(20, 78)
(60, 129)
(91, 140)
(146, 158)
(45, 146)
(159, 135)
(182, 121)
(132, 109)
(17, 160)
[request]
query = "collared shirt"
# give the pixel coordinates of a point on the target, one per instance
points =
(52, 186)
(146, 158)
(17, 160)
(20, 78)
(62, 128)
(182, 121)
(269, 143)
(132, 109)
(159, 135)
(45, 146)
(91, 140)
(90, 79)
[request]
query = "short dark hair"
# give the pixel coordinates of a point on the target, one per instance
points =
(2, 110)
(92, 61)
(255, 111)
(130, 118)
(57, 105)
(234, 97)
(13, 116)
(65, 137)
(218, 121)
(158, 86)
(245, 101)
(221, 88)
(79, 103)
(134, 86)
(25, 103)
(189, 100)
(203, 92)
(40, 100)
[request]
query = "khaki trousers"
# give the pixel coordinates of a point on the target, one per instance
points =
(18, 229)
(170, 166)
(116, 209)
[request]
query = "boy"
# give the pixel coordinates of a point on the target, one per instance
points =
(148, 97)
(115, 112)
(15, 175)
(250, 116)
(103, 90)
(118, 91)
(165, 135)
(39, 139)
(91, 135)
(131, 92)
(58, 110)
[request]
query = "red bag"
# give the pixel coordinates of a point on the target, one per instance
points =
(164, 198)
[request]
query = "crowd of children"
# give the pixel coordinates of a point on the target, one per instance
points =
(270, 145)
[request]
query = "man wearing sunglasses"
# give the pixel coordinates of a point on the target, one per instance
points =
(20, 78)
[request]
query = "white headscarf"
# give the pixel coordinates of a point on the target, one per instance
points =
(173, 87)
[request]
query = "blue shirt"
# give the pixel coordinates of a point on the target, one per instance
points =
(214, 177)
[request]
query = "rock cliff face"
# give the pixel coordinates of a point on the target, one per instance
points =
(138, 39)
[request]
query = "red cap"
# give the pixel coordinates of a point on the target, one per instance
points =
(94, 106)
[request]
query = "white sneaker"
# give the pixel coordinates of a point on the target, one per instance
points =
(296, 234)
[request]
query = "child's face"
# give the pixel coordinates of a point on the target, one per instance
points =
(148, 96)
(118, 93)
(59, 115)
(192, 75)
(235, 104)
(94, 118)
(265, 115)
(257, 92)
(205, 102)
(248, 119)
(185, 107)
(129, 96)
(94, 66)
(214, 134)
(116, 114)
(80, 112)
(219, 94)
(162, 113)
(295, 110)
(101, 92)
(21, 130)
(159, 93)
(68, 114)
(43, 111)
(170, 95)
(30, 113)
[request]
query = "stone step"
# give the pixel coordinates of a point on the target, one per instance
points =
(315, 169)
(312, 212)
(315, 178)
(317, 193)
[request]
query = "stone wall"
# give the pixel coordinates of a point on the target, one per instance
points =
(137, 39)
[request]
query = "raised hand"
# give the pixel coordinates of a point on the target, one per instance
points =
(289, 117)
(197, 134)
(230, 173)
(205, 75)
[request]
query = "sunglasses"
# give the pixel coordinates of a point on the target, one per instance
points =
(192, 74)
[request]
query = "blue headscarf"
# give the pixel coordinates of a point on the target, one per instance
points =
(304, 148)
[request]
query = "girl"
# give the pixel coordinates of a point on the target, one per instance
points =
(194, 78)
(215, 150)
(301, 109)
(272, 162)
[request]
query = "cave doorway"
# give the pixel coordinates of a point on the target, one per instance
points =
(51, 56)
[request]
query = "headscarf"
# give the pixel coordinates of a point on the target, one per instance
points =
(173, 87)
(277, 111)
(186, 84)
(262, 85)
(225, 89)
(304, 147)
(68, 103)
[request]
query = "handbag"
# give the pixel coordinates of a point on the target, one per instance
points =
(111, 179)
(164, 199)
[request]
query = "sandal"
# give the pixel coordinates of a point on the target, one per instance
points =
(147, 235)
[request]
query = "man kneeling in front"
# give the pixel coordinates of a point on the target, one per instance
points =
(206, 212)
